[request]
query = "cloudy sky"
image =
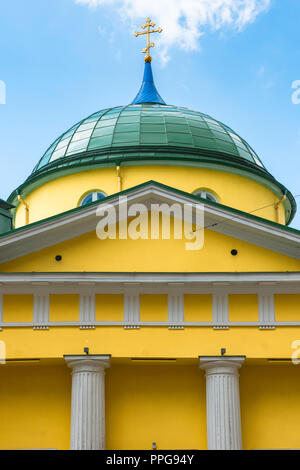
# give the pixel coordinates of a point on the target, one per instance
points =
(236, 60)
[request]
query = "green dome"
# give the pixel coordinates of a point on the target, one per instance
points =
(152, 130)
(151, 133)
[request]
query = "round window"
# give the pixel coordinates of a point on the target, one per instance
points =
(93, 196)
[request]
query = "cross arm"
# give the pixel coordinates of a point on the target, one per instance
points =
(139, 34)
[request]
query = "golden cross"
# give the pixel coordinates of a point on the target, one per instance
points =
(149, 24)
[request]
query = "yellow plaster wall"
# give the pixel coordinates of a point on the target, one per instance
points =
(270, 406)
(155, 403)
(197, 308)
(243, 308)
(188, 343)
(287, 307)
(145, 403)
(88, 253)
(64, 307)
(109, 307)
(153, 307)
(18, 308)
(244, 194)
(64, 193)
(35, 407)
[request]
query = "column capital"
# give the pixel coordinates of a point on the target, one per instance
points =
(221, 365)
(87, 363)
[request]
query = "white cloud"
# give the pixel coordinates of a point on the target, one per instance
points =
(185, 21)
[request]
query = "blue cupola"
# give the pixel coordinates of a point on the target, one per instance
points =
(148, 92)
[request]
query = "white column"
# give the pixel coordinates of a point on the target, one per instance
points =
(223, 402)
(88, 401)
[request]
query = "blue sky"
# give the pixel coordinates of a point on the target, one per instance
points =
(61, 61)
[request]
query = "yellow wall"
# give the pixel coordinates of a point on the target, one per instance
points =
(109, 307)
(287, 307)
(64, 193)
(145, 403)
(197, 308)
(154, 307)
(243, 308)
(155, 403)
(188, 343)
(35, 407)
(270, 406)
(64, 307)
(18, 308)
(88, 253)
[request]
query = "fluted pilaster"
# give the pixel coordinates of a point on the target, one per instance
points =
(223, 402)
(88, 401)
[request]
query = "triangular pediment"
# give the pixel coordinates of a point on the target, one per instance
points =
(218, 219)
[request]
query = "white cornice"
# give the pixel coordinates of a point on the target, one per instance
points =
(93, 278)
(87, 284)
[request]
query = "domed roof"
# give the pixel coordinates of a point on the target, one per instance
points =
(147, 128)
(150, 131)
(153, 127)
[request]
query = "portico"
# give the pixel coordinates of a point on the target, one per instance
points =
(222, 401)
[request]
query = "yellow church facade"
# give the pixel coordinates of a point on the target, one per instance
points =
(149, 342)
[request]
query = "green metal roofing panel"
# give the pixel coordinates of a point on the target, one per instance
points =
(152, 125)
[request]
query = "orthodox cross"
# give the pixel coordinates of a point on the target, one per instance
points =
(148, 25)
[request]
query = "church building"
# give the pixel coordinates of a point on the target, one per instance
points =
(118, 334)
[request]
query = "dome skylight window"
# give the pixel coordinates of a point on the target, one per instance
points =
(206, 195)
(93, 196)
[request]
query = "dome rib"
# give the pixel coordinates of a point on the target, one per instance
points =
(118, 119)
